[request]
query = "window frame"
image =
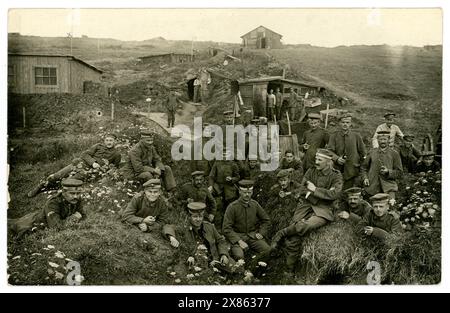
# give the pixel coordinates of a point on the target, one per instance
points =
(12, 77)
(49, 76)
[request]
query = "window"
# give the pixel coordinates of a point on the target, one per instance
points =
(45, 76)
(11, 75)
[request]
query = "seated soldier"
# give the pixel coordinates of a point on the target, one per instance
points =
(197, 235)
(149, 211)
(294, 164)
(286, 187)
(245, 223)
(99, 155)
(353, 207)
(428, 163)
(196, 191)
(60, 210)
(144, 163)
(321, 186)
(379, 223)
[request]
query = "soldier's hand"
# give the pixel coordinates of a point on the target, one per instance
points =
(143, 227)
(341, 161)
(224, 260)
(157, 171)
(243, 244)
(310, 186)
(96, 165)
(228, 179)
(259, 236)
(344, 214)
(366, 182)
(282, 194)
(149, 220)
(305, 146)
(190, 261)
(210, 189)
(211, 217)
(174, 242)
(384, 170)
(368, 230)
(77, 216)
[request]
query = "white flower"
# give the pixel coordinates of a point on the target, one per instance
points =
(177, 280)
(197, 269)
(263, 264)
(54, 265)
(79, 278)
(202, 247)
(173, 273)
(190, 276)
(60, 255)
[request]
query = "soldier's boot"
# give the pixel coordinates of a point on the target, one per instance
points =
(285, 232)
(33, 192)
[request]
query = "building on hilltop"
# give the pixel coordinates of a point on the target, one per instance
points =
(262, 38)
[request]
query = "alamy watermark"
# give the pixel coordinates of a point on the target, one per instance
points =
(210, 142)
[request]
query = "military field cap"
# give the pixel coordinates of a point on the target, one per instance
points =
(380, 197)
(345, 115)
(255, 121)
(389, 114)
(383, 133)
(71, 184)
(283, 173)
(146, 133)
(111, 135)
(152, 184)
(428, 153)
(252, 157)
(198, 173)
(314, 116)
(353, 191)
(408, 138)
(246, 184)
(205, 125)
(228, 113)
(324, 153)
(196, 207)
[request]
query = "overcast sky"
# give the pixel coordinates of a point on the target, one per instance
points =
(319, 27)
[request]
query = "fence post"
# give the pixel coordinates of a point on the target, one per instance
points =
(112, 110)
(24, 117)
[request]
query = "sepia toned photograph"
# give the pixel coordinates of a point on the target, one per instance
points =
(224, 146)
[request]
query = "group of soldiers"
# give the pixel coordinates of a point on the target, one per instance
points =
(272, 105)
(328, 182)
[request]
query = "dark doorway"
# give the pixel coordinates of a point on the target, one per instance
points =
(190, 86)
(263, 43)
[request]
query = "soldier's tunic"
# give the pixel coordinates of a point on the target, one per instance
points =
(242, 221)
(55, 211)
(171, 105)
(247, 172)
(142, 161)
(371, 169)
(434, 167)
(296, 166)
(293, 190)
(383, 226)
(217, 178)
(315, 138)
(317, 208)
(198, 194)
(351, 146)
(409, 156)
(356, 214)
(140, 207)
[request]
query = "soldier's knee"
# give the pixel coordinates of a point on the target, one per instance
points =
(237, 252)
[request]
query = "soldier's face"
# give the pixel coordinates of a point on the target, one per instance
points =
(428, 160)
(110, 142)
(152, 194)
(71, 196)
(271, 91)
(148, 141)
(252, 163)
(346, 123)
(383, 141)
(380, 208)
(196, 219)
(289, 157)
(314, 123)
(246, 194)
(229, 120)
(389, 121)
(321, 162)
(284, 182)
(353, 200)
(198, 181)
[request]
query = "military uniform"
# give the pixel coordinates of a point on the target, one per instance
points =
(383, 226)
(350, 146)
(252, 173)
(142, 161)
(242, 221)
(292, 190)
(371, 166)
(315, 138)
(409, 154)
(422, 167)
(171, 105)
(356, 214)
(99, 152)
(295, 165)
(197, 194)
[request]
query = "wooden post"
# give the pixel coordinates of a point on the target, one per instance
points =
(24, 117)
(289, 123)
(112, 110)
(326, 116)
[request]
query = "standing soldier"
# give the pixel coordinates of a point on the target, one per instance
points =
(294, 98)
(321, 186)
(245, 223)
(222, 179)
(149, 211)
(97, 156)
(144, 162)
(205, 80)
(349, 151)
(196, 90)
(409, 154)
(196, 191)
(278, 103)
(381, 168)
(353, 207)
(271, 104)
(62, 209)
(389, 126)
(172, 103)
(313, 139)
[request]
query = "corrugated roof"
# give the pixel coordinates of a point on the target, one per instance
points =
(259, 27)
(277, 78)
(57, 56)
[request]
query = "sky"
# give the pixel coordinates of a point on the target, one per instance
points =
(319, 27)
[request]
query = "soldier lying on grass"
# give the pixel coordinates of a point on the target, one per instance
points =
(354, 207)
(149, 212)
(60, 210)
(98, 156)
